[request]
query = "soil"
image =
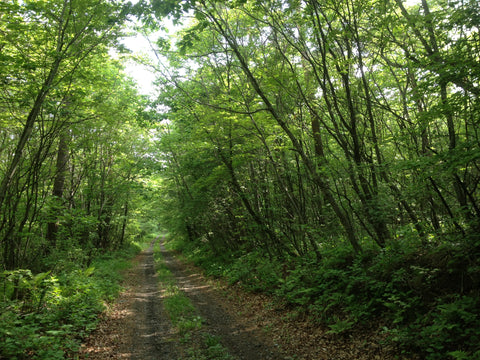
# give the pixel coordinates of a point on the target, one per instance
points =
(250, 326)
(242, 339)
(136, 326)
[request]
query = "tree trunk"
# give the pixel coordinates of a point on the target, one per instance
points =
(58, 186)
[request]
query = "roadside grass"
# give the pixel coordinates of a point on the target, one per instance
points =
(198, 345)
(209, 348)
(424, 302)
(46, 315)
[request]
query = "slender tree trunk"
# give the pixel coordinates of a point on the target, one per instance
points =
(343, 217)
(58, 186)
(124, 223)
(27, 131)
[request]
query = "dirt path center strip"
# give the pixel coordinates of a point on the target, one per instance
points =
(242, 340)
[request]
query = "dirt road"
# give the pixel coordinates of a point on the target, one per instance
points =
(243, 340)
(138, 328)
(248, 326)
(152, 336)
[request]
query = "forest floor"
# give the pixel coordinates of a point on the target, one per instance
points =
(248, 326)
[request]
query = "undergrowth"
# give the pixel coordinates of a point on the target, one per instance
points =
(46, 315)
(427, 300)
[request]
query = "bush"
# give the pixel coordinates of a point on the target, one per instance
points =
(452, 328)
(45, 316)
(429, 296)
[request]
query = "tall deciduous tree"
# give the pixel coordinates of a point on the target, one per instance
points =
(371, 115)
(65, 32)
(67, 110)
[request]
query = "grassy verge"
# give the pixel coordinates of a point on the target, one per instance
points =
(46, 315)
(427, 301)
(198, 344)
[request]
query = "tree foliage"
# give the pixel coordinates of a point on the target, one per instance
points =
(74, 143)
(297, 127)
(332, 147)
(68, 168)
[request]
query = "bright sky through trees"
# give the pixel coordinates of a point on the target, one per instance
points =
(143, 76)
(140, 46)
(328, 150)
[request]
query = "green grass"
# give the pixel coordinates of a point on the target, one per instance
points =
(209, 348)
(178, 306)
(182, 313)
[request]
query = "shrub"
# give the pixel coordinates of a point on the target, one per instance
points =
(45, 316)
(428, 294)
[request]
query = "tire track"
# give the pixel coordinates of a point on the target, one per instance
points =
(242, 340)
(153, 336)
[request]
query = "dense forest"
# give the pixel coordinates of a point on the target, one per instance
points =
(324, 152)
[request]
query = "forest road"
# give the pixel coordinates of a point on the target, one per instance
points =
(152, 336)
(243, 340)
(137, 327)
